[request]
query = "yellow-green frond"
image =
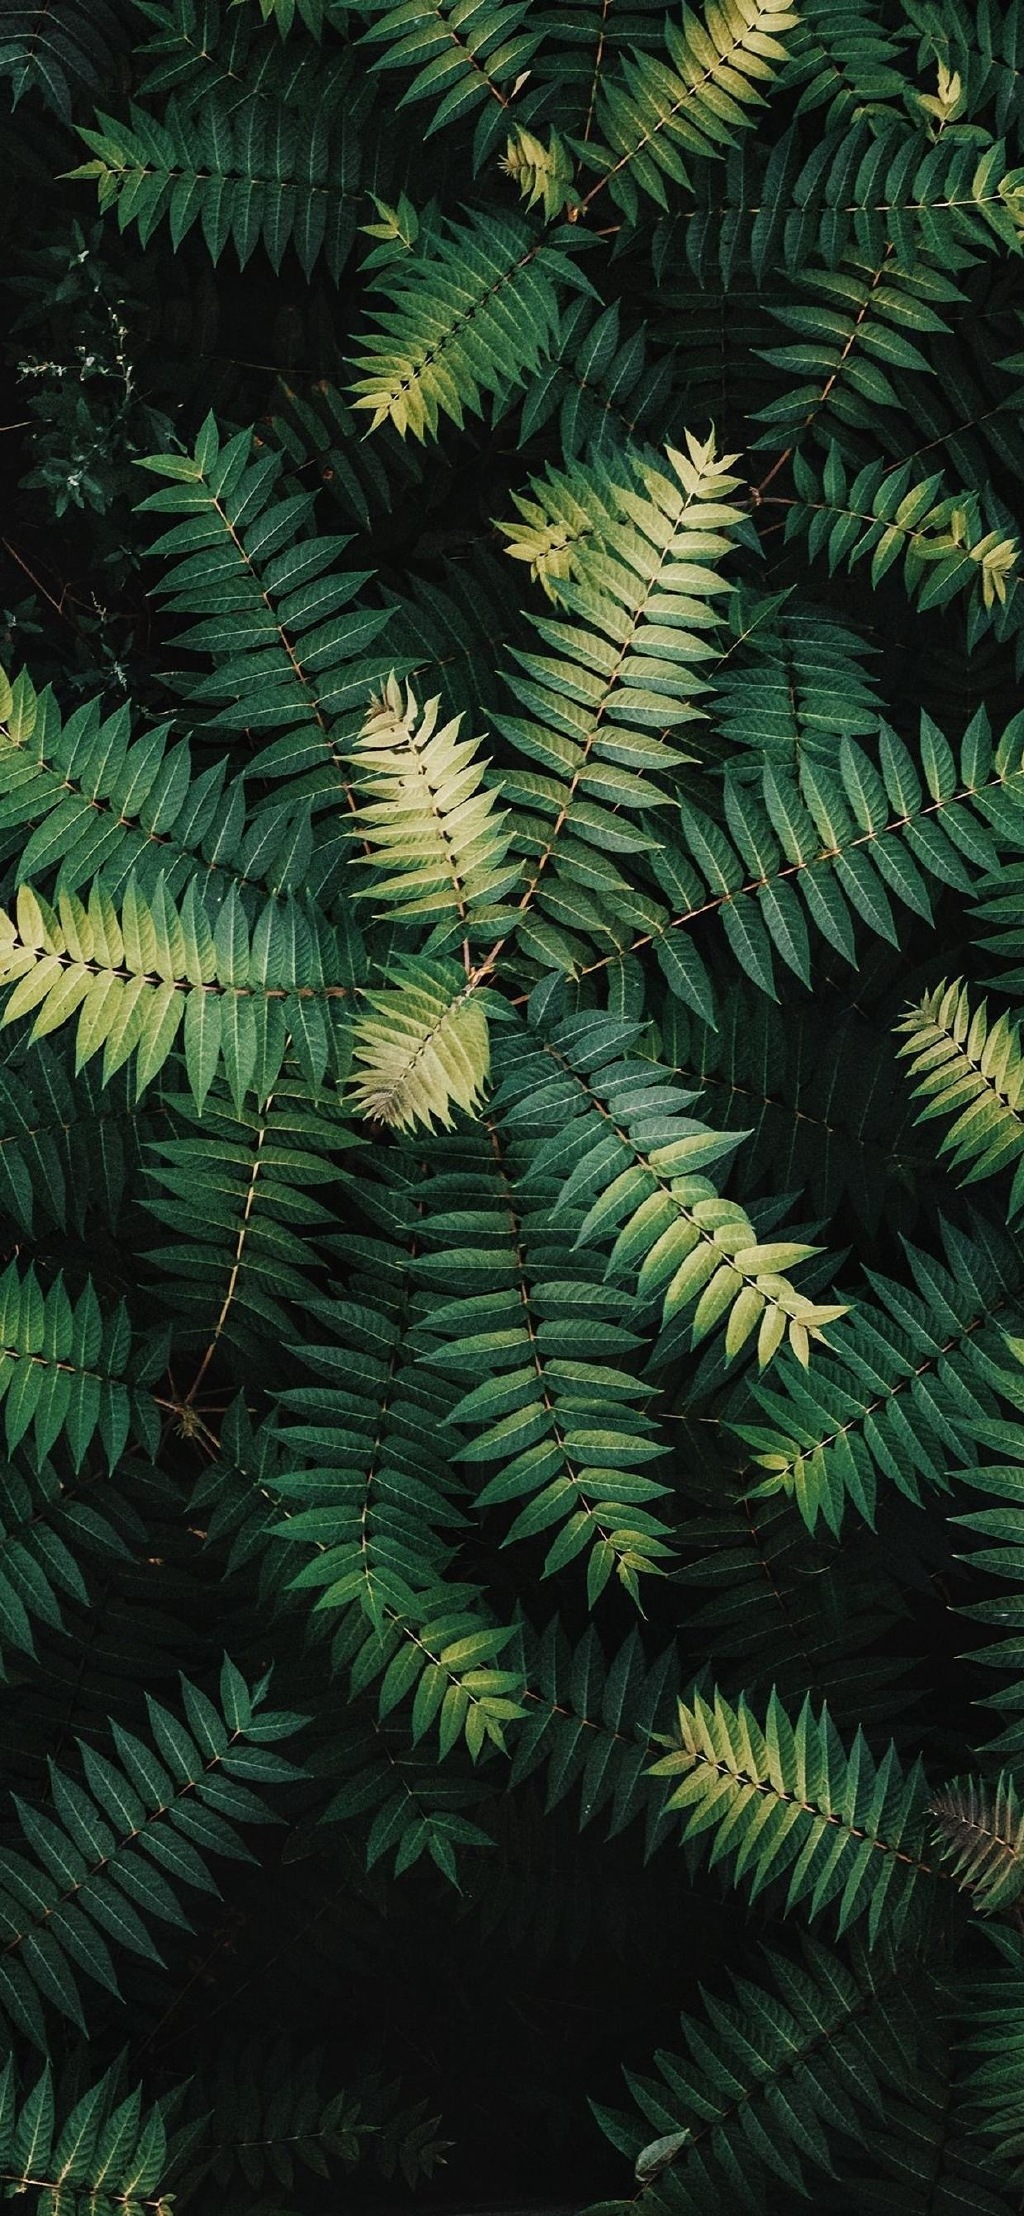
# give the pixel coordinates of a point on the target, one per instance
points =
(542, 173)
(973, 1071)
(422, 1049)
(138, 973)
(435, 834)
(695, 100)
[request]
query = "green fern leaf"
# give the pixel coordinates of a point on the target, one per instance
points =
(568, 1435)
(463, 59)
(90, 1873)
(313, 14)
(291, 657)
(780, 1609)
(972, 1070)
(839, 838)
(841, 58)
(88, 797)
(378, 1518)
(416, 1810)
(471, 316)
(992, 2090)
(133, 979)
(981, 1832)
(694, 102)
(786, 1798)
(593, 1723)
(792, 681)
(851, 330)
(625, 672)
(256, 175)
(941, 542)
(65, 1370)
(766, 2076)
(602, 386)
(872, 187)
(64, 52)
(542, 173)
(239, 1191)
(620, 1149)
(906, 1382)
(101, 2150)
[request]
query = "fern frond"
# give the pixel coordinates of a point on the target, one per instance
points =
(195, 47)
(87, 796)
(253, 176)
(952, 197)
(362, 1473)
(941, 542)
(416, 1808)
(792, 681)
(232, 1502)
(782, 1610)
(202, 49)
(553, 527)
(844, 837)
(998, 1527)
(981, 1835)
(65, 50)
(468, 318)
(312, 14)
(423, 1048)
(133, 978)
(842, 59)
(543, 173)
(624, 673)
(720, 368)
(997, 909)
(592, 1721)
(616, 1140)
(814, 1098)
(264, 2118)
(694, 101)
(316, 430)
(784, 1799)
(68, 1146)
(871, 189)
(239, 1191)
(436, 844)
(364, 1508)
(128, 1635)
(101, 2151)
(50, 1534)
(465, 58)
(446, 632)
(983, 46)
(601, 385)
(448, 1657)
(766, 2078)
(906, 1383)
(99, 1854)
(291, 656)
(851, 328)
(405, 2140)
(972, 1070)
(66, 1370)
(927, 2147)
(994, 2046)
(551, 1408)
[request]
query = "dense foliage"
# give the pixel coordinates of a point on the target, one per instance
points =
(512, 1106)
